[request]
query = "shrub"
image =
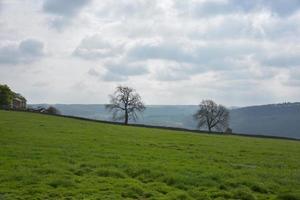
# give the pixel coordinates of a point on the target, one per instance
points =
(228, 130)
(52, 110)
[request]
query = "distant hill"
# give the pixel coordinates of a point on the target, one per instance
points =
(274, 119)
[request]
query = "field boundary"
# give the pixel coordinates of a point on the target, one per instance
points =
(161, 127)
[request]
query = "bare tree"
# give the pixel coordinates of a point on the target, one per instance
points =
(212, 116)
(125, 104)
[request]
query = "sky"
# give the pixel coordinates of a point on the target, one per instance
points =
(236, 52)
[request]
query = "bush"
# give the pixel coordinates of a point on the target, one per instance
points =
(228, 130)
(52, 110)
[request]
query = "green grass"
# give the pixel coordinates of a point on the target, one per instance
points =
(48, 157)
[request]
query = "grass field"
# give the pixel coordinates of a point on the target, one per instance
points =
(48, 157)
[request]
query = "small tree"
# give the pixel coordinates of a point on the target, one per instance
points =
(228, 130)
(212, 116)
(52, 110)
(125, 104)
(6, 96)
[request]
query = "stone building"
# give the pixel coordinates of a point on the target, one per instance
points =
(18, 102)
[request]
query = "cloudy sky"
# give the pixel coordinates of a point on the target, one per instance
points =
(172, 51)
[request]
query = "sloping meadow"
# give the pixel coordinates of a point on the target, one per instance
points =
(48, 157)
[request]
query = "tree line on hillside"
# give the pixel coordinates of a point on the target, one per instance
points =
(47, 110)
(11, 100)
(126, 104)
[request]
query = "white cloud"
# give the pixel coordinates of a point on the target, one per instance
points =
(97, 47)
(26, 51)
(236, 52)
(63, 11)
(194, 8)
(65, 7)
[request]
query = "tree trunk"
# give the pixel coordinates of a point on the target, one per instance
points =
(126, 117)
(208, 124)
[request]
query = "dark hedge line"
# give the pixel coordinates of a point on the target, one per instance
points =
(159, 127)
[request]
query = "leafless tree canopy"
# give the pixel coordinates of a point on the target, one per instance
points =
(125, 104)
(212, 116)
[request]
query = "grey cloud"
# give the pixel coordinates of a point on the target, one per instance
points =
(96, 47)
(292, 83)
(93, 72)
(295, 74)
(31, 47)
(79, 85)
(228, 27)
(59, 23)
(64, 7)
(173, 72)
(188, 60)
(210, 8)
(295, 79)
(121, 71)
(114, 77)
(282, 60)
(129, 8)
(292, 78)
(130, 69)
(26, 51)
(282, 8)
(64, 11)
(212, 55)
(259, 25)
(160, 51)
(172, 76)
(41, 84)
(118, 68)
